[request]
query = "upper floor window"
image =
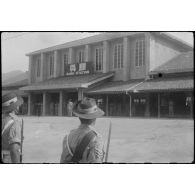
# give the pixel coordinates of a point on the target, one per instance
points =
(118, 56)
(38, 67)
(51, 65)
(81, 56)
(140, 53)
(99, 59)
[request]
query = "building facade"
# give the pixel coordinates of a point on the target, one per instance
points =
(120, 70)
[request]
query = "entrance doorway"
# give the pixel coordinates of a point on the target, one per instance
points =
(139, 106)
(37, 106)
(54, 104)
(153, 105)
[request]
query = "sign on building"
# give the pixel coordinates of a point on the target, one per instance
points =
(79, 69)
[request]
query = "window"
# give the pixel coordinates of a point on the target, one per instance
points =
(51, 65)
(65, 61)
(118, 56)
(81, 56)
(38, 67)
(99, 59)
(140, 53)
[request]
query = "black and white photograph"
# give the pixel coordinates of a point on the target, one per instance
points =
(93, 97)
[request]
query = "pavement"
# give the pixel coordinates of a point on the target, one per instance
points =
(135, 140)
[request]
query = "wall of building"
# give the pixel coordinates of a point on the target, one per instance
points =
(136, 72)
(93, 54)
(158, 51)
(118, 71)
(161, 51)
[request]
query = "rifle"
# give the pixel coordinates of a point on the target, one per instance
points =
(108, 142)
(22, 138)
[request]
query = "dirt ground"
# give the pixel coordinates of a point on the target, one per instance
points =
(132, 140)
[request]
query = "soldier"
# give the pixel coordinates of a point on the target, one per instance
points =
(69, 107)
(11, 128)
(84, 144)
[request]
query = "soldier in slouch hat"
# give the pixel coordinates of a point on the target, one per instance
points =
(84, 144)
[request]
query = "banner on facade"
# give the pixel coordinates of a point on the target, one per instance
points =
(78, 69)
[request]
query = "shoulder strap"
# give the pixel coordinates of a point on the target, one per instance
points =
(78, 154)
(8, 124)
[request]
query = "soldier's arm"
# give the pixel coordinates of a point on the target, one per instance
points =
(15, 152)
(14, 140)
(96, 152)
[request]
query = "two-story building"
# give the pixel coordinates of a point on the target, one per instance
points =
(117, 69)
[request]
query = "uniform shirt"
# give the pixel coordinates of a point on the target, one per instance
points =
(13, 133)
(94, 151)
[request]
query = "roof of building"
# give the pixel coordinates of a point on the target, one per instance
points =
(184, 62)
(186, 83)
(18, 84)
(69, 82)
(114, 87)
(108, 36)
(16, 91)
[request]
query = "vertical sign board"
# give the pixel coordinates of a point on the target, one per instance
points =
(78, 69)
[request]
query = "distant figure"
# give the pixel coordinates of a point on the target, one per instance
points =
(84, 144)
(69, 107)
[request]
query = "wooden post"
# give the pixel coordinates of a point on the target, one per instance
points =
(158, 105)
(29, 104)
(45, 104)
(130, 105)
(60, 108)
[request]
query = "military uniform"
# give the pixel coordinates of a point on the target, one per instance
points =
(11, 133)
(84, 144)
(94, 153)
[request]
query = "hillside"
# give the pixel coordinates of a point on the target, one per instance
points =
(14, 77)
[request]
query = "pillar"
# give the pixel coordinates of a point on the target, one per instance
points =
(30, 69)
(107, 103)
(126, 59)
(62, 103)
(106, 55)
(130, 105)
(149, 54)
(57, 71)
(45, 103)
(43, 75)
(87, 53)
(29, 104)
(158, 105)
(147, 112)
(80, 94)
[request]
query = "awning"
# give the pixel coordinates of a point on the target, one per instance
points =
(69, 82)
(171, 84)
(16, 91)
(115, 87)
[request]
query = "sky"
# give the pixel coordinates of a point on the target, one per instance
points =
(14, 45)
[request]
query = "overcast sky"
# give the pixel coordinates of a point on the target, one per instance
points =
(16, 45)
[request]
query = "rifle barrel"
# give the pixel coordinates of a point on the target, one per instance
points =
(108, 142)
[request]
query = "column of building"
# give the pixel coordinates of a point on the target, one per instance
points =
(62, 103)
(126, 59)
(45, 104)
(57, 67)
(29, 104)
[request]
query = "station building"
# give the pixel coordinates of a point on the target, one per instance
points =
(130, 74)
